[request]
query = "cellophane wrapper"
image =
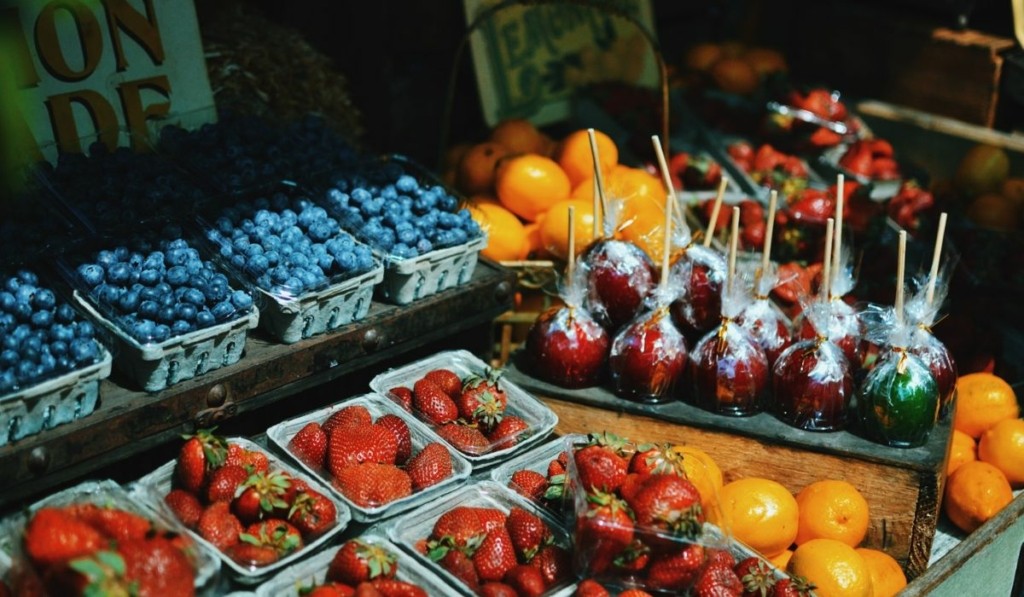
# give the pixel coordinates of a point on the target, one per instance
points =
(619, 277)
(898, 401)
(648, 356)
(922, 314)
(764, 322)
(697, 275)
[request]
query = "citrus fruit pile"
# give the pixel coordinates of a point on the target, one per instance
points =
(986, 453)
(732, 67)
(995, 199)
(521, 184)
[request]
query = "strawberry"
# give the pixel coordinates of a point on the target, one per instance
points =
(431, 466)
(219, 526)
(312, 513)
(447, 380)
(350, 416)
(598, 467)
(224, 482)
(459, 527)
(482, 401)
(553, 562)
(526, 580)
(530, 484)
(670, 505)
(310, 445)
(403, 396)
(256, 556)
(201, 453)
(497, 589)
(465, 438)
(632, 559)
(390, 587)
(528, 533)
(54, 536)
(262, 494)
(156, 566)
(508, 432)
(330, 590)
(461, 567)
(717, 555)
(433, 403)
(606, 528)
(358, 561)
(491, 518)
(756, 576)
(274, 533)
(676, 570)
(102, 572)
(495, 556)
(253, 461)
(659, 459)
(360, 444)
(631, 486)
(591, 588)
(794, 586)
(185, 506)
(111, 522)
(402, 436)
(371, 484)
(556, 467)
(717, 580)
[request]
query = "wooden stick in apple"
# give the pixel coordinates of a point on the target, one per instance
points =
(826, 263)
(599, 197)
(714, 211)
(570, 265)
(766, 251)
(837, 249)
(936, 254)
(670, 200)
(734, 238)
(901, 263)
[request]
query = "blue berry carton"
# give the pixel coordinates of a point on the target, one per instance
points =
(312, 276)
(412, 222)
(51, 361)
(171, 314)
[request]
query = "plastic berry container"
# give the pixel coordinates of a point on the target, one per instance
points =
(426, 244)
(829, 164)
(106, 494)
(312, 276)
(282, 433)
(540, 419)
(536, 460)
(412, 528)
(153, 487)
(719, 146)
(297, 579)
(51, 361)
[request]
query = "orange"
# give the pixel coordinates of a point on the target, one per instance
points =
(835, 568)
(782, 560)
(982, 169)
(645, 228)
(992, 210)
(554, 227)
(518, 135)
(506, 237)
(764, 61)
(961, 449)
(529, 184)
(760, 513)
(832, 509)
(701, 56)
(534, 240)
(477, 168)
(734, 75)
(454, 154)
(975, 492)
(1003, 447)
(704, 473)
(1013, 189)
(887, 576)
(983, 399)
(575, 157)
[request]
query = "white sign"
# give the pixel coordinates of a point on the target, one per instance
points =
(87, 69)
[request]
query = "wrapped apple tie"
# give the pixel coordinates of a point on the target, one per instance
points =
(898, 402)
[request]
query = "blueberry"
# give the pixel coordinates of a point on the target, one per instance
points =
(25, 293)
(253, 250)
(237, 261)
(161, 332)
(320, 231)
(62, 332)
(47, 364)
(347, 261)
(294, 285)
(91, 273)
(337, 198)
(165, 314)
(406, 184)
(143, 330)
(257, 265)
(42, 319)
(224, 225)
(25, 371)
(7, 301)
(241, 300)
(423, 245)
(180, 327)
(185, 312)
(403, 251)
(129, 301)
(65, 313)
(58, 347)
(223, 311)
(164, 288)
(216, 291)
(177, 256)
(135, 261)
(178, 243)
(325, 262)
(360, 196)
(44, 299)
(84, 329)
(309, 279)
(149, 309)
(9, 358)
(106, 258)
(205, 318)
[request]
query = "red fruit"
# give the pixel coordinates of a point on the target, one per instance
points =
(598, 467)
(530, 484)
(358, 561)
(481, 400)
(756, 576)
(794, 586)
(677, 570)
(730, 372)
(312, 513)
(389, 587)
(433, 403)
(431, 466)
(566, 346)
(591, 588)
(557, 466)
(113, 523)
(677, 167)
(403, 396)
(157, 566)
(497, 589)
(554, 564)
(702, 172)
(248, 554)
(661, 459)
(224, 482)
(274, 533)
(461, 567)
(219, 526)
(331, 590)
(465, 438)
(606, 529)
(701, 275)
(310, 445)
(525, 580)
(53, 536)
(668, 505)
(647, 358)
(371, 484)
(361, 444)
(723, 218)
(350, 416)
(528, 533)
(201, 453)
(447, 380)
(185, 506)
(253, 461)
(461, 526)
(263, 494)
(716, 555)
(495, 556)
(401, 431)
(508, 432)
(619, 277)
(717, 580)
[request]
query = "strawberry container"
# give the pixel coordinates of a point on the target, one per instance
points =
(878, 189)
(282, 433)
(106, 493)
(536, 460)
(151, 489)
(719, 144)
(313, 571)
(409, 530)
(540, 419)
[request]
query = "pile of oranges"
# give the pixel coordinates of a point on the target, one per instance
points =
(733, 67)
(986, 453)
(521, 184)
